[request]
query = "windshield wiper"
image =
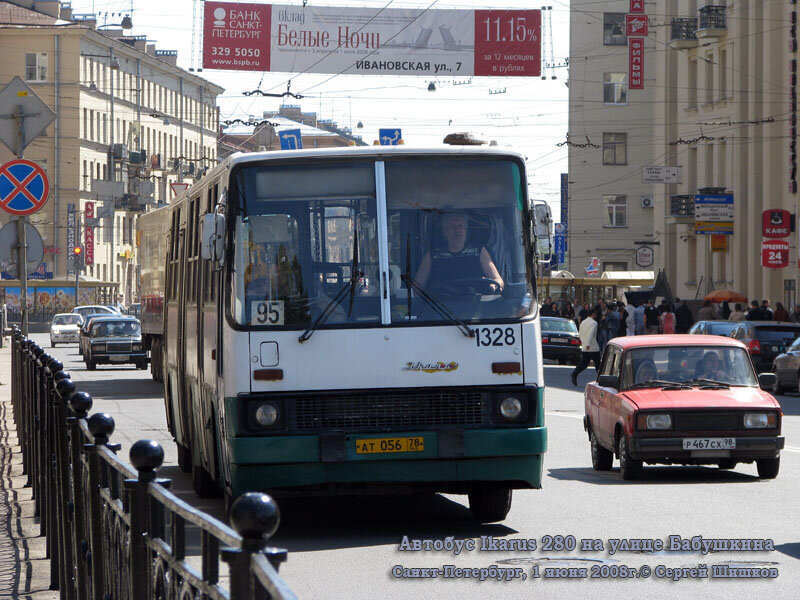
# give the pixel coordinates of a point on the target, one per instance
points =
(355, 275)
(653, 383)
(704, 381)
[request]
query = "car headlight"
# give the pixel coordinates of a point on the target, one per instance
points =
(654, 421)
(510, 408)
(98, 347)
(266, 415)
(136, 347)
(760, 420)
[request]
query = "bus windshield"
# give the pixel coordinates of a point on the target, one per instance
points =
(309, 242)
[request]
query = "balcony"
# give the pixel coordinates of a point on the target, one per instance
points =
(712, 22)
(684, 32)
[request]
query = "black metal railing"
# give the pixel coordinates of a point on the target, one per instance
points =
(114, 530)
(684, 28)
(712, 17)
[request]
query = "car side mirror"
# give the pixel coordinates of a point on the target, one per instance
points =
(611, 381)
(767, 381)
(213, 237)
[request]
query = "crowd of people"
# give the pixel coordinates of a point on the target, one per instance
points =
(603, 321)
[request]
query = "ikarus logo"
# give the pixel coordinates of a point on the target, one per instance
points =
(436, 367)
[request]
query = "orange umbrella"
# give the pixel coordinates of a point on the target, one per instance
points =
(723, 295)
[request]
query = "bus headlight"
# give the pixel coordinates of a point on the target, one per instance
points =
(511, 408)
(266, 415)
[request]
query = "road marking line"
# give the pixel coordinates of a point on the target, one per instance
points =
(791, 449)
(558, 414)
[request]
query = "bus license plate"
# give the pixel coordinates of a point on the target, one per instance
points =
(709, 444)
(387, 445)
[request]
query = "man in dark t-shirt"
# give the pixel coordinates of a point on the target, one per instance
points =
(457, 260)
(650, 318)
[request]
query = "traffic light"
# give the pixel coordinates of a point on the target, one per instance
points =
(77, 258)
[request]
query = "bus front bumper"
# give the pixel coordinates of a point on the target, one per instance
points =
(448, 460)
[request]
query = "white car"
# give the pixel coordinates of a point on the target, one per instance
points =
(65, 328)
(95, 309)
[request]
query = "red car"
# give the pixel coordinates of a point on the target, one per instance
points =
(681, 399)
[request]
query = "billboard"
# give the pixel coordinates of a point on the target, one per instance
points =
(371, 41)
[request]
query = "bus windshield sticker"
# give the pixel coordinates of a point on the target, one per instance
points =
(266, 312)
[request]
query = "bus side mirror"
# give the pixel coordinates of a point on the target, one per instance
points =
(213, 237)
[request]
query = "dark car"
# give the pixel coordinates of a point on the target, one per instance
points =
(765, 340)
(83, 334)
(723, 328)
(114, 340)
(560, 340)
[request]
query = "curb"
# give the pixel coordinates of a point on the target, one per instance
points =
(24, 567)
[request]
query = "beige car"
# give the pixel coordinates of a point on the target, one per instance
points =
(65, 329)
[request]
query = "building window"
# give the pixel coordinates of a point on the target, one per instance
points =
(615, 266)
(615, 148)
(615, 88)
(36, 66)
(614, 29)
(692, 91)
(615, 211)
(723, 69)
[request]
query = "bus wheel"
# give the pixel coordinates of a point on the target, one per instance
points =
(490, 505)
(184, 458)
(203, 484)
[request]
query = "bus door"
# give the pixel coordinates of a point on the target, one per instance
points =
(180, 338)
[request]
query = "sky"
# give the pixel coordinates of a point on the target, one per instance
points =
(526, 114)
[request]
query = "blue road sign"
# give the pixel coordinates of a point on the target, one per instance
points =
(290, 139)
(390, 137)
(23, 187)
(560, 243)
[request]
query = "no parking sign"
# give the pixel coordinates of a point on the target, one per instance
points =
(24, 187)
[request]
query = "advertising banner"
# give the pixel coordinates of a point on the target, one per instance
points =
(719, 243)
(636, 63)
(774, 254)
(565, 200)
(70, 236)
(88, 235)
(776, 223)
(636, 25)
(637, 6)
(371, 41)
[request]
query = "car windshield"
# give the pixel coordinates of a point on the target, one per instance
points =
(307, 248)
(115, 329)
(67, 320)
(696, 365)
(559, 325)
(720, 327)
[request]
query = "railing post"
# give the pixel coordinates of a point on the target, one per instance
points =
(64, 389)
(146, 456)
(101, 426)
(62, 543)
(254, 516)
(54, 370)
(81, 404)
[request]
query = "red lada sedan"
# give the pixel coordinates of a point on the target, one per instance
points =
(681, 399)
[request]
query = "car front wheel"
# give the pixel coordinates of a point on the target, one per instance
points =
(768, 467)
(629, 468)
(602, 459)
(490, 505)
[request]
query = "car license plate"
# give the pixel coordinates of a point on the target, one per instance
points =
(387, 445)
(559, 340)
(118, 357)
(709, 443)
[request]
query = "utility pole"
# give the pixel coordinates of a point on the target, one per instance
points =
(18, 117)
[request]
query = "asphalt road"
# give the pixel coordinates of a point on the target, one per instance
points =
(349, 548)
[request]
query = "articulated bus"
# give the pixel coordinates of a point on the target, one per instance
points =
(349, 321)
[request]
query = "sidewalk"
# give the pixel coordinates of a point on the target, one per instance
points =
(24, 570)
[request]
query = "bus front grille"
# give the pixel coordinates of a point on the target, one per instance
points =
(389, 411)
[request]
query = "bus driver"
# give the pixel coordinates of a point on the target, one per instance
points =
(459, 261)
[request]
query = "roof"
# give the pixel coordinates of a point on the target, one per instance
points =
(678, 339)
(13, 14)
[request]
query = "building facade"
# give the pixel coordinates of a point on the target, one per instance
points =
(610, 140)
(129, 123)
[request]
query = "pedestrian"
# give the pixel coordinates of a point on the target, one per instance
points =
(795, 316)
(766, 310)
(780, 314)
(737, 314)
(650, 318)
(707, 312)
(725, 310)
(612, 322)
(623, 318)
(630, 321)
(585, 312)
(638, 318)
(590, 350)
(554, 312)
(668, 320)
(755, 313)
(602, 332)
(545, 311)
(568, 312)
(683, 317)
